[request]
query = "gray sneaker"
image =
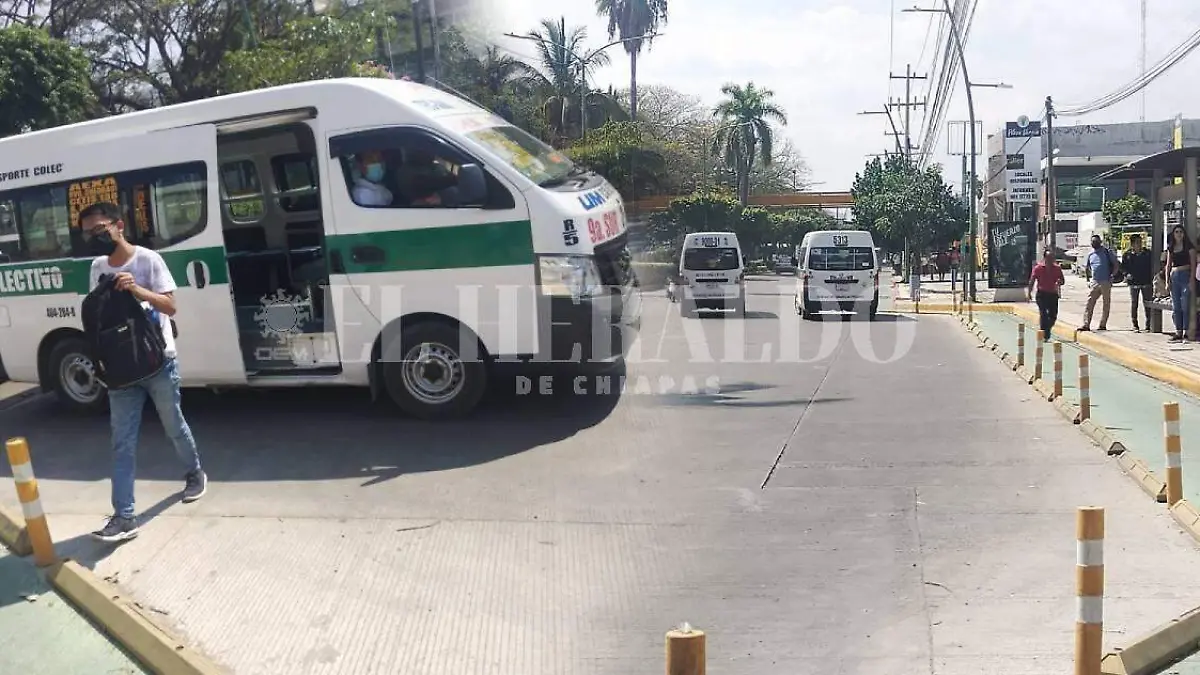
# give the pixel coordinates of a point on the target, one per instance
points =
(117, 529)
(195, 484)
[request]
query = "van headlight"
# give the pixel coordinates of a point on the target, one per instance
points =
(572, 276)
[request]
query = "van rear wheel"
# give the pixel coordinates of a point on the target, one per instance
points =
(427, 376)
(74, 377)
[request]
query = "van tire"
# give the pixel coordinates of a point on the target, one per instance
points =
(740, 307)
(66, 365)
(687, 308)
(403, 375)
(874, 308)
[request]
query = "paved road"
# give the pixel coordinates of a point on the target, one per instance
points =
(917, 515)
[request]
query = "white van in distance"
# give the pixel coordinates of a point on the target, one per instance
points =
(839, 269)
(712, 273)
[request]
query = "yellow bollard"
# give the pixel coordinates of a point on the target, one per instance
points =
(1020, 345)
(1089, 589)
(1085, 389)
(1174, 447)
(1037, 355)
(31, 502)
(685, 651)
(1058, 370)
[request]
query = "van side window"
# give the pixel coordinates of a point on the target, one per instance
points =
(408, 168)
(44, 217)
(178, 200)
(242, 193)
(296, 178)
(10, 238)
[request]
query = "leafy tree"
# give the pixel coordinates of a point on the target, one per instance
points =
(711, 210)
(899, 203)
(620, 152)
(745, 134)
(1132, 208)
(790, 227)
(632, 19)
(43, 81)
(309, 48)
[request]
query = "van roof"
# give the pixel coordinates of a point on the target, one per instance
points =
(861, 235)
(351, 93)
(712, 234)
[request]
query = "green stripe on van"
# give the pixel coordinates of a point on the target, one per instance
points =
(430, 248)
(436, 248)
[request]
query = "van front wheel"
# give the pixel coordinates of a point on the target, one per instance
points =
(74, 377)
(428, 377)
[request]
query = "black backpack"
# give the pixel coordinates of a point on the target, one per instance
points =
(127, 346)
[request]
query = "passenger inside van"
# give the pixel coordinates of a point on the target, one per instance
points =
(369, 189)
(426, 181)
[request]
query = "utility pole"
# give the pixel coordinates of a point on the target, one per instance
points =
(1142, 60)
(435, 37)
(908, 104)
(1051, 186)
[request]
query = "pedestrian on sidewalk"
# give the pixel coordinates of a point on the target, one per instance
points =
(1180, 260)
(1048, 279)
(143, 273)
(1136, 263)
(1102, 266)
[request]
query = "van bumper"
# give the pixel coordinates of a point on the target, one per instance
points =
(598, 330)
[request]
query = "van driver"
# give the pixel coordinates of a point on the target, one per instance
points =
(368, 187)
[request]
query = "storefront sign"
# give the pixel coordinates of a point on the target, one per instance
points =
(1022, 156)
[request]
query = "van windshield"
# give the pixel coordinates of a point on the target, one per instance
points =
(532, 158)
(702, 259)
(841, 259)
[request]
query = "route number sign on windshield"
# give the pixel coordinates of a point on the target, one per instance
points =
(710, 242)
(841, 240)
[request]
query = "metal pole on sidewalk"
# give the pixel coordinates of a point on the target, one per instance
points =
(31, 502)
(1089, 589)
(1174, 447)
(685, 651)
(1085, 389)
(1020, 345)
(1058, 370)
(1038, 355)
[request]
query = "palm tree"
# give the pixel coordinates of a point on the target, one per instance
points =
(563, 73)
(745, 127)
(499, 72)
(632, 19)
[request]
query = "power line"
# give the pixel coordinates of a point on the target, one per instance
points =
(1129, 89)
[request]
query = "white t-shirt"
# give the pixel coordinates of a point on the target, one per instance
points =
(366, 193)
(149, 271)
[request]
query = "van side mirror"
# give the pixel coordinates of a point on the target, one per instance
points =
(472, 185)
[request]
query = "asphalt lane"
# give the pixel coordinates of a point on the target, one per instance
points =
(833, 496)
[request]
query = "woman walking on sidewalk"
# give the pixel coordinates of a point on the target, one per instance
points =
(1048, 278)
(1180, 259)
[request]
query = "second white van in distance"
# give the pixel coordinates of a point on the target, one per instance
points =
(838, 269)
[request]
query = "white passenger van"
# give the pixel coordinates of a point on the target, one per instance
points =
(482, 244)
(712, 272)
(838, 270)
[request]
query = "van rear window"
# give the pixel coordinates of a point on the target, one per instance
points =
(841, 259)
(711, 259)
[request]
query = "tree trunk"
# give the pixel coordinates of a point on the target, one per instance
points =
(633, 86)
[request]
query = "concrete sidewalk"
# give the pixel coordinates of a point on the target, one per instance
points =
(40, 634)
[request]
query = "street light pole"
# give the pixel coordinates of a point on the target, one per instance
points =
(958, 47)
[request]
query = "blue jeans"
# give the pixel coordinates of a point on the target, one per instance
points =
(126, 407)
(1180, 302)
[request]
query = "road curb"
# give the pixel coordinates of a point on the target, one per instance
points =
(126, 622)
(1044, 390)
(1068, 410)
(1140, 472)
(1160, 648)
(13, 533)
(1188, 518)
(1101, 435)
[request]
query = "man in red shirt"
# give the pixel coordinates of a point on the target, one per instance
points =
(1048, 278)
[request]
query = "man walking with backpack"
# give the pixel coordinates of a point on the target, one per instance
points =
(1102, 267)
(142, 273)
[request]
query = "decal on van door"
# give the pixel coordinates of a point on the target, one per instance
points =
(570, 234)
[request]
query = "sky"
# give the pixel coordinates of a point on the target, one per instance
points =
(828, 60)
